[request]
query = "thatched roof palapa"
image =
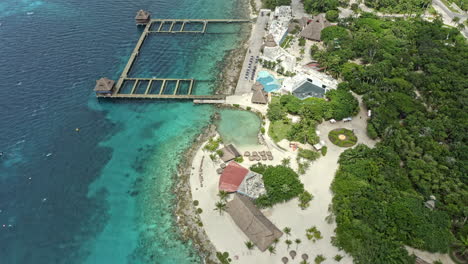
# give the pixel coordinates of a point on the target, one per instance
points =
(229, 153)
(314, 28)
(142, 15)
(259, 95)
(270, 41)
(261, 231)
(104, 85)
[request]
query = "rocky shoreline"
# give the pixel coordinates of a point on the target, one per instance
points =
(187, 219)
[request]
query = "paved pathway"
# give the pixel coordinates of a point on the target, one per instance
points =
(244, 85)
(298, 9)
(448, 15)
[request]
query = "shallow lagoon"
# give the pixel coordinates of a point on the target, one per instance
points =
(239, 127)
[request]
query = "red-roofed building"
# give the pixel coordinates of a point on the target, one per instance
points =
(232, 177)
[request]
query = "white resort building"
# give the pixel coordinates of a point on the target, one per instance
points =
(305, 85)
(280, 19)
(273, 52)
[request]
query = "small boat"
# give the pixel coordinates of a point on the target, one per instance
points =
(49, 154)
(30, 13)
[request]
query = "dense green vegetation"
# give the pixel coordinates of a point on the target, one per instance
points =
(412, 75)
(308, 154)
(332, 15)
(463, 4)
(377, 209)
(398, 6)
(341, 104)
(281, 183)
(322, 6)
(279, 130)
(213, 144)
(271, 4)
(349, 140)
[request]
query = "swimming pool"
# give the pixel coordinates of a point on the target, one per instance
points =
(270, 84)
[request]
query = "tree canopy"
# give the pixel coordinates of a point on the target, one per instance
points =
(412, 75)
(281, 183)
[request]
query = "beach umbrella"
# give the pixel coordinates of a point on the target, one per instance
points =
(223, 165)
(262, 152)
(219, 171)
(292, 253)
(247, 154)
(305, 256)
(254, 153)
(264, 158)
(284, 260)
(268, 153)
(251, 158)
(258, 158)
(270, 157)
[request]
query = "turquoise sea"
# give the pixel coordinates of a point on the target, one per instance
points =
(100, 193)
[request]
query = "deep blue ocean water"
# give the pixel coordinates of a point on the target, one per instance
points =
(100, 193)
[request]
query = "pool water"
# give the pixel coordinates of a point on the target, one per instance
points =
(238, 127)
(270, 84)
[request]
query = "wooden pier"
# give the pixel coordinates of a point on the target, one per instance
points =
(183, 22)
(161, 91)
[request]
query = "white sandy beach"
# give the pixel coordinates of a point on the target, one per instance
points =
(226, 236)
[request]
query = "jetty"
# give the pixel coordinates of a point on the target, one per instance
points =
(187, 25)
(159, 88)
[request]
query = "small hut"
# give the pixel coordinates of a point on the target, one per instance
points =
(229, 153)
(104, 86)
(259, 95)
(142, 17)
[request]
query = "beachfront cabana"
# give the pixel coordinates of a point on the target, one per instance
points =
(229, 153)
(104, 86)
(259, 95)
(314, 28)
(142, 17)
(261, 231)
(232, 177)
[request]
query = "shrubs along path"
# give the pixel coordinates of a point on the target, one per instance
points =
(342, 137)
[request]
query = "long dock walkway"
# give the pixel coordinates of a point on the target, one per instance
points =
(157, 25)
(158, 88)
(205, 98)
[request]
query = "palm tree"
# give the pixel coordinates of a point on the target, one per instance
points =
(221, 207)
(272, 250)
(287, 231)
(288, 243)
(298, 241)
(461, 246)
(249, 245)
(223, 195)
(276, 240)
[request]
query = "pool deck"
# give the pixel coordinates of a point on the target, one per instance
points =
(274, 81)
(255, 43)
